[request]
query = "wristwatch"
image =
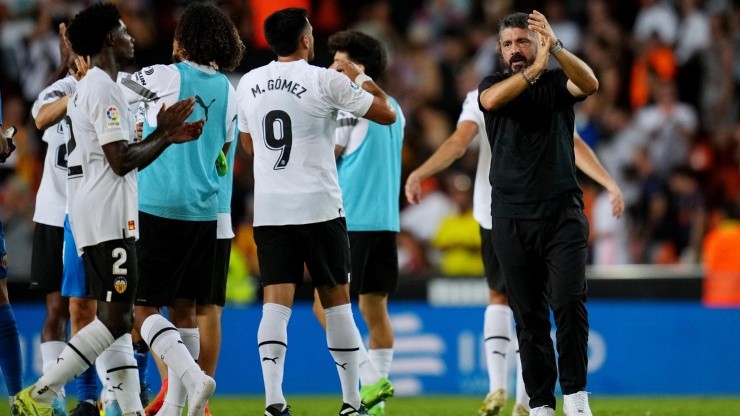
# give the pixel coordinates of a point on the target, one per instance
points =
(557, 48)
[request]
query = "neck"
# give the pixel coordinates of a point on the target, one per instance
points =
(296, 56)
(107, 61)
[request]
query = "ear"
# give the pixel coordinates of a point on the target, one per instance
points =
(305, 43)
(110, 39)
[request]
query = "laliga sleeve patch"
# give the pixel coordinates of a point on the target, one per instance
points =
(112, 117)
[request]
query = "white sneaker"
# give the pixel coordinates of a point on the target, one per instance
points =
(199, 393)
(542, 411)
(576, 404)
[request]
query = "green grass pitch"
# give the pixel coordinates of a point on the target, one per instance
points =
(468, 406)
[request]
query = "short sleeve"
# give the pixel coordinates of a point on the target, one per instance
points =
(345, 123)
(343, 94)
(109, 116)
(150, 84)
(53, 92)
(471, 110)
(231, 116)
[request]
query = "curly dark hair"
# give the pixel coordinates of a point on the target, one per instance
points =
(207, 35)
(283, 29)
(361, 49)
(89, 29)
(517, 20)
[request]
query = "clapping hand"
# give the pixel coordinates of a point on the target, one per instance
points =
(172, 121)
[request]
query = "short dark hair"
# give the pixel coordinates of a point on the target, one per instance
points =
(88, 30)
(360, 48)
(517, 20)
(283, 29)
(207, 35)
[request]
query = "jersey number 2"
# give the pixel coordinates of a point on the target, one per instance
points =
(278, 131)
(120, 255)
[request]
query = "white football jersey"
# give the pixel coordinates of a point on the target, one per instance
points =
(102, 205)
(482, 189)
(290, 110)
(51, 198)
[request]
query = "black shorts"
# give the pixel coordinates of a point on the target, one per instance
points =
(215, 293)
(176, 259)
(374, 261)
(111, 271)
(282, 251)
(46, 258)
(491, 265)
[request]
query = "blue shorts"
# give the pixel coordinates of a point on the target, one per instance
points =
(3, 255)
(73, 277)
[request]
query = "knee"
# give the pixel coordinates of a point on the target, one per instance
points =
(82, 312)
(57, 310)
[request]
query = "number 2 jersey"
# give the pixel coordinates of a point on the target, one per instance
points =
(290, 110)
(102, 205)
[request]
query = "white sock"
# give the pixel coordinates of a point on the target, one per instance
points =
(497, 335)
(50, 350)
(107, 394)
(369, 373)
(123, 373)
(272, 342)
(76, 357)
(343, 339)
(176, 393)
(521, 393)
(382, 358)
(164, 338)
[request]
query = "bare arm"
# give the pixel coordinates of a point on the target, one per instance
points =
(247, 143)
(172, 128)
(338, 150)
(589, 164)
(452, 149)
(381, 111)
(51, 113)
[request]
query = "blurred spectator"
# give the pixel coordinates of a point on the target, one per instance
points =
(668, 127)
(721, 261)
(688, 200)
(654, 61)
(423, 219)
(457, 239)
(718, 108)
(17, 215)
(568, 31)
(693, 39)
(656, 17)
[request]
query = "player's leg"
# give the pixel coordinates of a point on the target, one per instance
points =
(209, 306)
(156, 404)
(163, 244)
(82, 310)
(566, 253)
(10, 359)
(46, 276)
(328, 263)
(496, 329)
(281, 270)
(521, 407)
(141, 354)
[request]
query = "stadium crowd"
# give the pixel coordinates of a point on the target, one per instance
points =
(664, 121)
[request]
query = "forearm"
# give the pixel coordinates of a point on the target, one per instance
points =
(501, 93)
(589, 164)
(578, 72)
(126, 157)
(51, 113)
(440, 160)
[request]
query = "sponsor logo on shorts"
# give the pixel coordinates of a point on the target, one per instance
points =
(120, 284)
(131, 225)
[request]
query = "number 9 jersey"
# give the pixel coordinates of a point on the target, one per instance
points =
(290, 110)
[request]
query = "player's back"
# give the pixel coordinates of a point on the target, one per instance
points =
(289, 109)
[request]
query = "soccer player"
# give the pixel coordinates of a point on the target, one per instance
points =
(102, 201)
(287, 117)
(369, 169)
(497, 317)
(178, 192)
(10, 358)
(539, 228)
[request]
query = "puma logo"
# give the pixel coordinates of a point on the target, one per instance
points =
(503, 354)
(203, 105)
(59, 359)
(274, 360)
(118, 387)
(344, 366)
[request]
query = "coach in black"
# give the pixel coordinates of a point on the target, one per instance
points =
(539, 230)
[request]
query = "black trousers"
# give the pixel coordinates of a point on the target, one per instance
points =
(544, 266)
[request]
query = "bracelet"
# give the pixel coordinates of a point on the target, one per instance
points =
(557, 48)
(361, 78)
(529, 80)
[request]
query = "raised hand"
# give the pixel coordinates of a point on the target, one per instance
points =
(82, 65)
(350, 69)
